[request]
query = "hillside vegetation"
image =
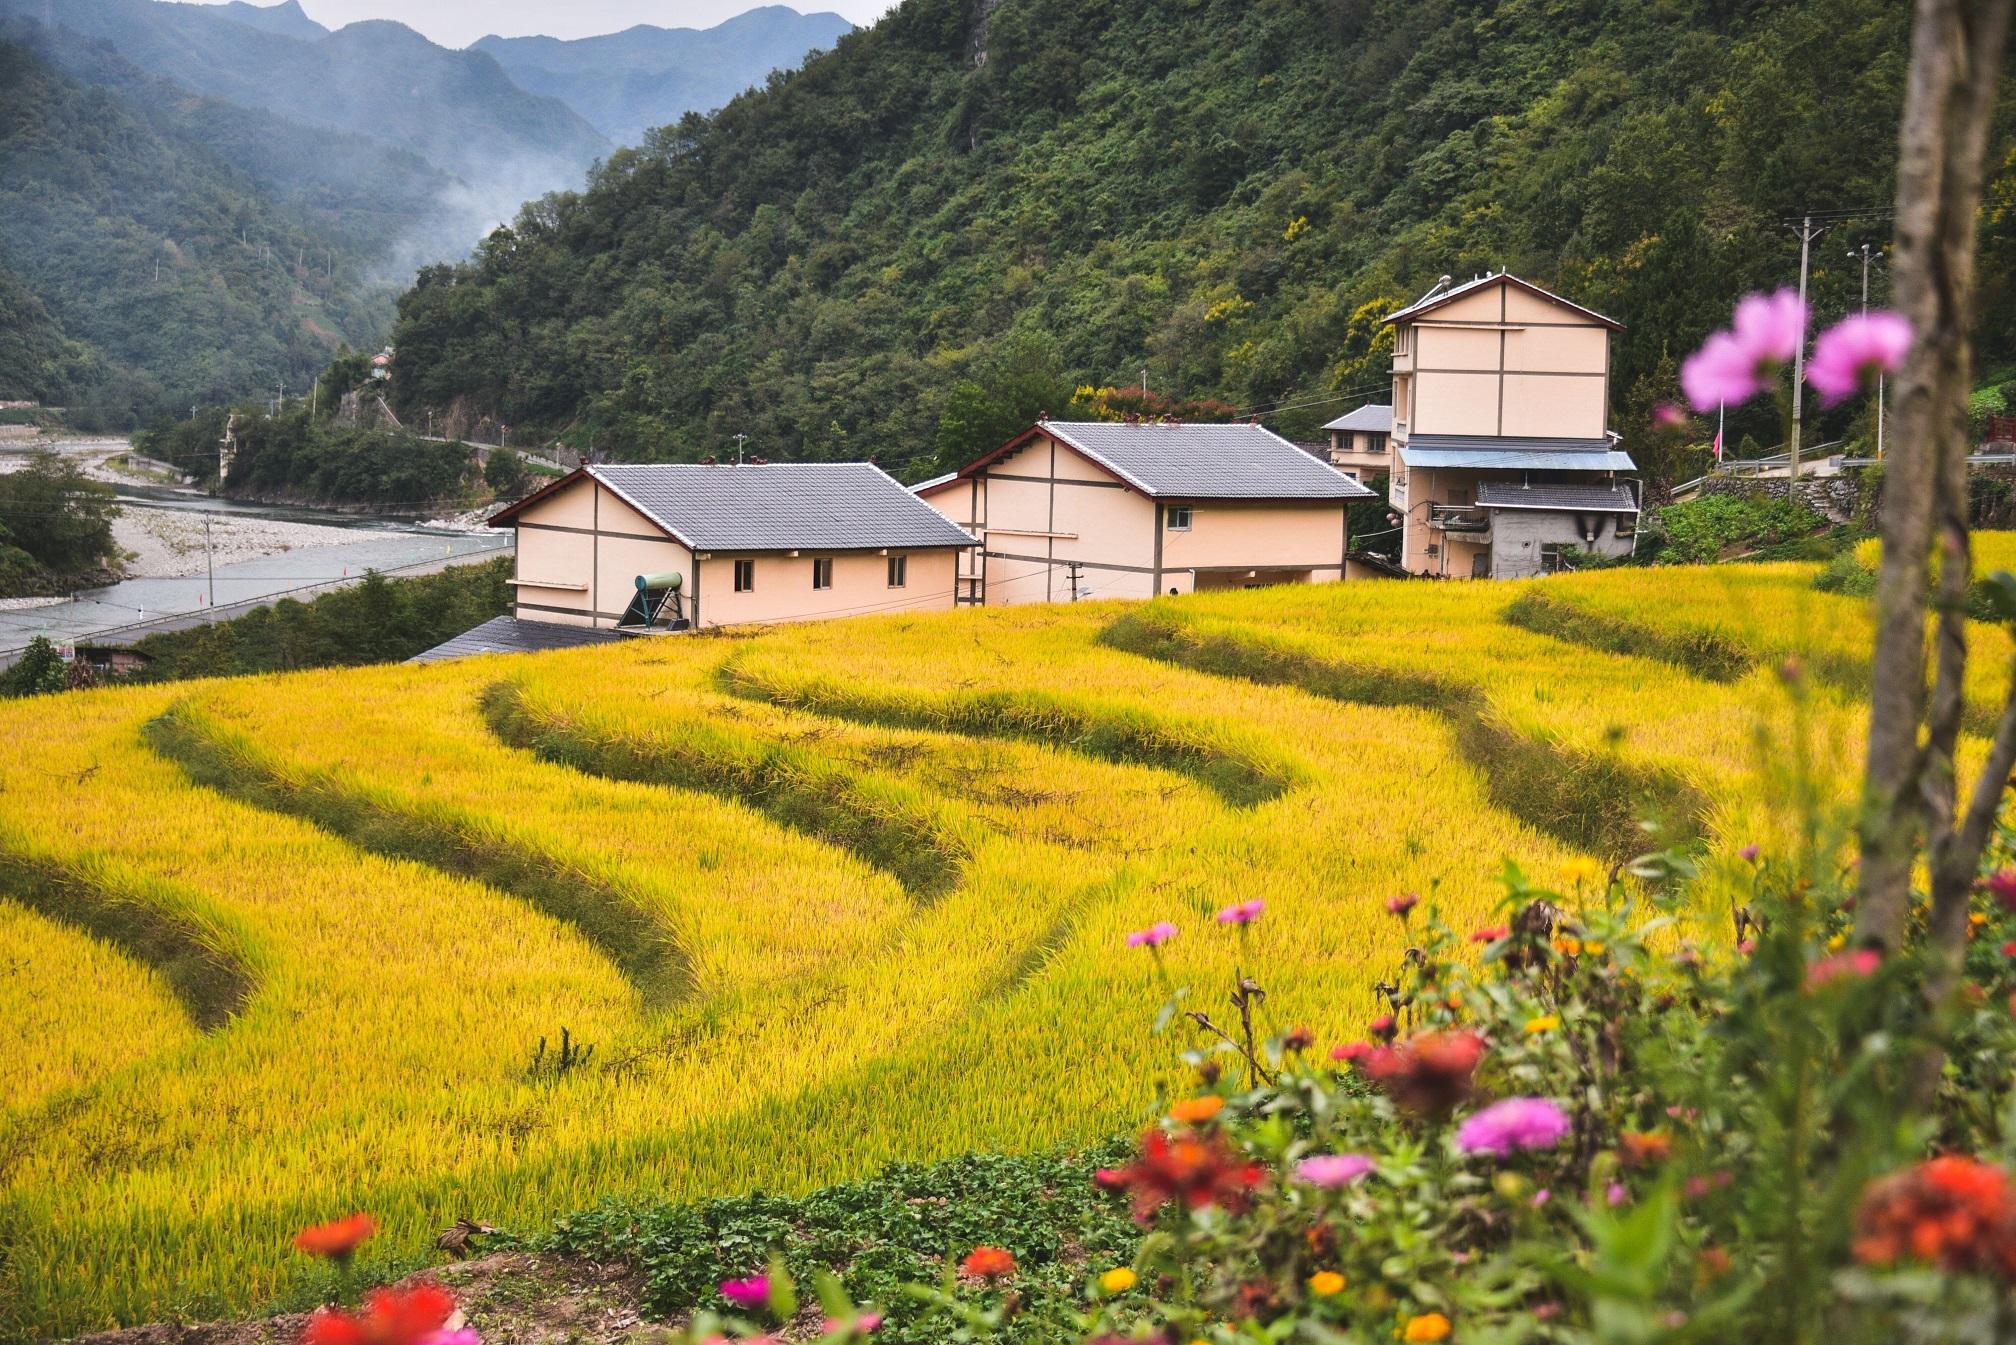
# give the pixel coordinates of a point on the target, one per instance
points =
(819, 898)
(973, 199)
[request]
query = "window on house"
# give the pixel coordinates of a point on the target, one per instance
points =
(1627, 525)
(822, 572)
(1400, 335)
(1179, 518)
(1460, 496)
(899, 571)
(745, 576)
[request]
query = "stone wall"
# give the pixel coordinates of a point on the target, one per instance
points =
(1836, 497)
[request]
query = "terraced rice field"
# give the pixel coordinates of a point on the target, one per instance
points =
(821, 897)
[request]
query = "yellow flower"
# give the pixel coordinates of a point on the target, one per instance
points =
(1117, 1280)
(1325, 1283)
(1428, 1326)
(1546, 1023)
(1977, 919)
(1593, 947)
(1580, 870)
(1834, 944)
(1572, 947)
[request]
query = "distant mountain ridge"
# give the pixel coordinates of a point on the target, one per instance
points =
(629, 82)
(288, 20)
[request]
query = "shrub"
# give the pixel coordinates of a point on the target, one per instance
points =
(1699, 531)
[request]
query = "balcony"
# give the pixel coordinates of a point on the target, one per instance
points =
(1462, 518)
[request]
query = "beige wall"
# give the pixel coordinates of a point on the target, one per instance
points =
(1066, 507)
(784, 589)
(1501, 361)
(585, 535)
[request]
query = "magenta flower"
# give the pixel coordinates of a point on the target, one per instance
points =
(1242, 912)
(1541, 1197)
(753, 1292)
(2002, 886)
(1667, 416)
(1332, 1170)
(1154, 936)
(866, 1324)
(1515, 1123)
(466, 1336)
(1850, 354)
(1750, 852)
(1401, 905)
(1862, 962)
(1616, 1194)
(1734, 366)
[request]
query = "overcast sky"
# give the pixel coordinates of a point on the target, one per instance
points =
(457, 23)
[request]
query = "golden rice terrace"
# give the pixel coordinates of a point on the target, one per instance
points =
(277, 949)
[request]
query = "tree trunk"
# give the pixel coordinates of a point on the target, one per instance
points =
(1909, 789)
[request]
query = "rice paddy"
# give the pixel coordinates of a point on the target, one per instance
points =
(819, 897)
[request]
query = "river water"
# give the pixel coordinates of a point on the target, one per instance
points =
(124, 611)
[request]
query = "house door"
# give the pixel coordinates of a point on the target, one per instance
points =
(1480, 565)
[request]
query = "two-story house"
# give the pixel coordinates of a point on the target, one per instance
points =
(1360, 443)
(1503, 459)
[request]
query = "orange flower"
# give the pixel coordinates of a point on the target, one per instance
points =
(989, 1263)
(1956, 1212)
(1428, 1327)
(1198, 1109)
(1197, 1170)
(338, 1239)
(1640, 1148)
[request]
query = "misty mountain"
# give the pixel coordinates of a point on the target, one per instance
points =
(126, 231)
(288, 20)
(456, 109)
(627, 83)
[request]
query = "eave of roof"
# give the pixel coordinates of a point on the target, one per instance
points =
(1430, 304)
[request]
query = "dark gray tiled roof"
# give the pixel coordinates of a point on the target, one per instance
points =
(1366, 419)
(1532, 455)
(509, 635)
(1581, 499)
(1207, 462)
(783, 506)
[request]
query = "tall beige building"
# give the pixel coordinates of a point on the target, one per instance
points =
(1503, 460)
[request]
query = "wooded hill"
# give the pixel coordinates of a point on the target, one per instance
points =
(1020, 195)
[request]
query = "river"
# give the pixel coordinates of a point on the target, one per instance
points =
(286, 564)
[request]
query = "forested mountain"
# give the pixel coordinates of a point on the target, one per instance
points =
(127, 230)
(288, 20)
(631, 82)
(999, 195)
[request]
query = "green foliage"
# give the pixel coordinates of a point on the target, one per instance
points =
(906, 1226)
(58, 516)
(164, 274)
(505, 473)
(1846, 575)
(378, 621)
(39, 671)
(293, 455)
(1700, 531)
(1229, 194)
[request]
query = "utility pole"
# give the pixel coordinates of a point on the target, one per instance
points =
(209, 563)
(738, 448)
(1807, 233)
(1867, 255)
(1076, 567)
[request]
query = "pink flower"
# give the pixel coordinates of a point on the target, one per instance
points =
(1401, 905)
(1385, 1027)
(1667, 416)
(1332, 1170)
(1515, 1123)
(1861, 962)
(1735, 366)
(1850, 354)
(1616, 1194)
(1747, 947)
(2002, 886)
(1750, 853)
(1490, 933)
(865, 1324)
(1351, 1050)
(1541, 1197)
(1152, 937)
(466, 1336)
(753, 1292)
(1242, 912)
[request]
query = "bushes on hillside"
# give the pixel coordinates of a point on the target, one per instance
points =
(293, 455)
(1701, 531)
(55, 526)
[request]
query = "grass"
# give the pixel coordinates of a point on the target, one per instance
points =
(888, 864)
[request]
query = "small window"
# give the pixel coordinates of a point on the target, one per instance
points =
(1459, 496)
(745, 576)
(822, 572)
(1179, 518)
(899, 571)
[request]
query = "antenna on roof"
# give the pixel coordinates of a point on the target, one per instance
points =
(738, 448)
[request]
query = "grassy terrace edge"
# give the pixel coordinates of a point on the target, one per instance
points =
(884, 823)
(1243, 774)
(1592, 800)
(634, 938)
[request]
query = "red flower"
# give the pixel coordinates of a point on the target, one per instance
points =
(1401, 905)
(1351, 1050)
(1429, 1073)
(1385, 1027)
(990, 1263)
(1490, 933)
(338, 1239)
(1956, 1212)
(390, 1317)
(2009, 948)
(1298, 1039)
(1198, 1170)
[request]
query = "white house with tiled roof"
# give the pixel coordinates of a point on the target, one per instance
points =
(1503, 460)
(1073, 509)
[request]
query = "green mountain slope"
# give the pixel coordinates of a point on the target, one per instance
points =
(1226, 194)
(37, 361)
(190, 281)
